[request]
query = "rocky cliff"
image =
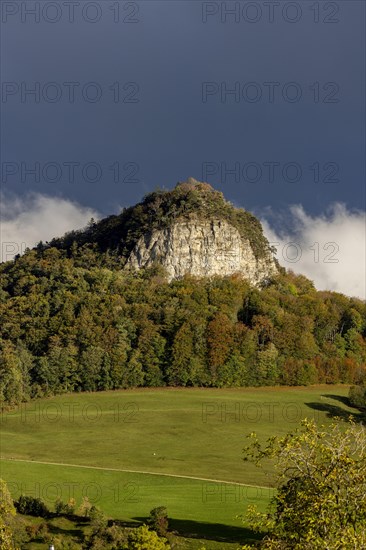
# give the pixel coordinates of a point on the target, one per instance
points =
(202, 248)
(204, 237)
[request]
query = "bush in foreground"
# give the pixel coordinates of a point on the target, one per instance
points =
(144, 539)
(321, 497)
(158, 520)
(32, 506)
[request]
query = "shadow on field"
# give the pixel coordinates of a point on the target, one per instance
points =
(210, 531)
(341, 398)
(336, 411)
(71, 532)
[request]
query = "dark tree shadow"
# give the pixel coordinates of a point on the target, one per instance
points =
(336, 411)
(209, 531)
(332, 411)
(75, 533)
(341, 398)
(74, 518)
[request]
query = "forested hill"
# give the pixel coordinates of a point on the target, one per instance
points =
(72, 320)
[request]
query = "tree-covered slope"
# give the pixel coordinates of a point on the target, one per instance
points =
(72, 320)
(70, 328)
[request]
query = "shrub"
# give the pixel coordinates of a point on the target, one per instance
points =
(85, 507)
(32, 506)
(357, 396)
(59, 507)
(144, 539)
(65, 508)
(98, 520)
(158, 520)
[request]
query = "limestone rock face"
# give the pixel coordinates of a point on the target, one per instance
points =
(201, 248)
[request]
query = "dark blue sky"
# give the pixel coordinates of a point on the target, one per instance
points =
(294, 130)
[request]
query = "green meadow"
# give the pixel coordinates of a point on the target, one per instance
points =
(130, 451)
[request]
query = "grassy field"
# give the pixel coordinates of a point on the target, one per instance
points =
(127, 449)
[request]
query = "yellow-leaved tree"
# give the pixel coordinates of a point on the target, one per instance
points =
(320, 501)
(7, 511)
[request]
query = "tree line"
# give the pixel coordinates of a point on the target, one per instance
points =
(77, 322)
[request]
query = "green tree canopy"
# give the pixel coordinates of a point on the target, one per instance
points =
(144, 539)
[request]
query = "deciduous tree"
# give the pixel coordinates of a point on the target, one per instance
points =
(321, 488)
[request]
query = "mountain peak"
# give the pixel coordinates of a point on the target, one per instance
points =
(192, 183)
(190, 229)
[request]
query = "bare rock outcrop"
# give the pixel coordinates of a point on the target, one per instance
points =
(201, 248)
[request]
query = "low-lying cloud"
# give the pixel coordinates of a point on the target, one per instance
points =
(329, 249)
(26, 221)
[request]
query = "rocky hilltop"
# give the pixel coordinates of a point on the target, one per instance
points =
(191, 229)
(205, 241)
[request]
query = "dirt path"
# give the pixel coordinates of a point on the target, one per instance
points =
(132, 472)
